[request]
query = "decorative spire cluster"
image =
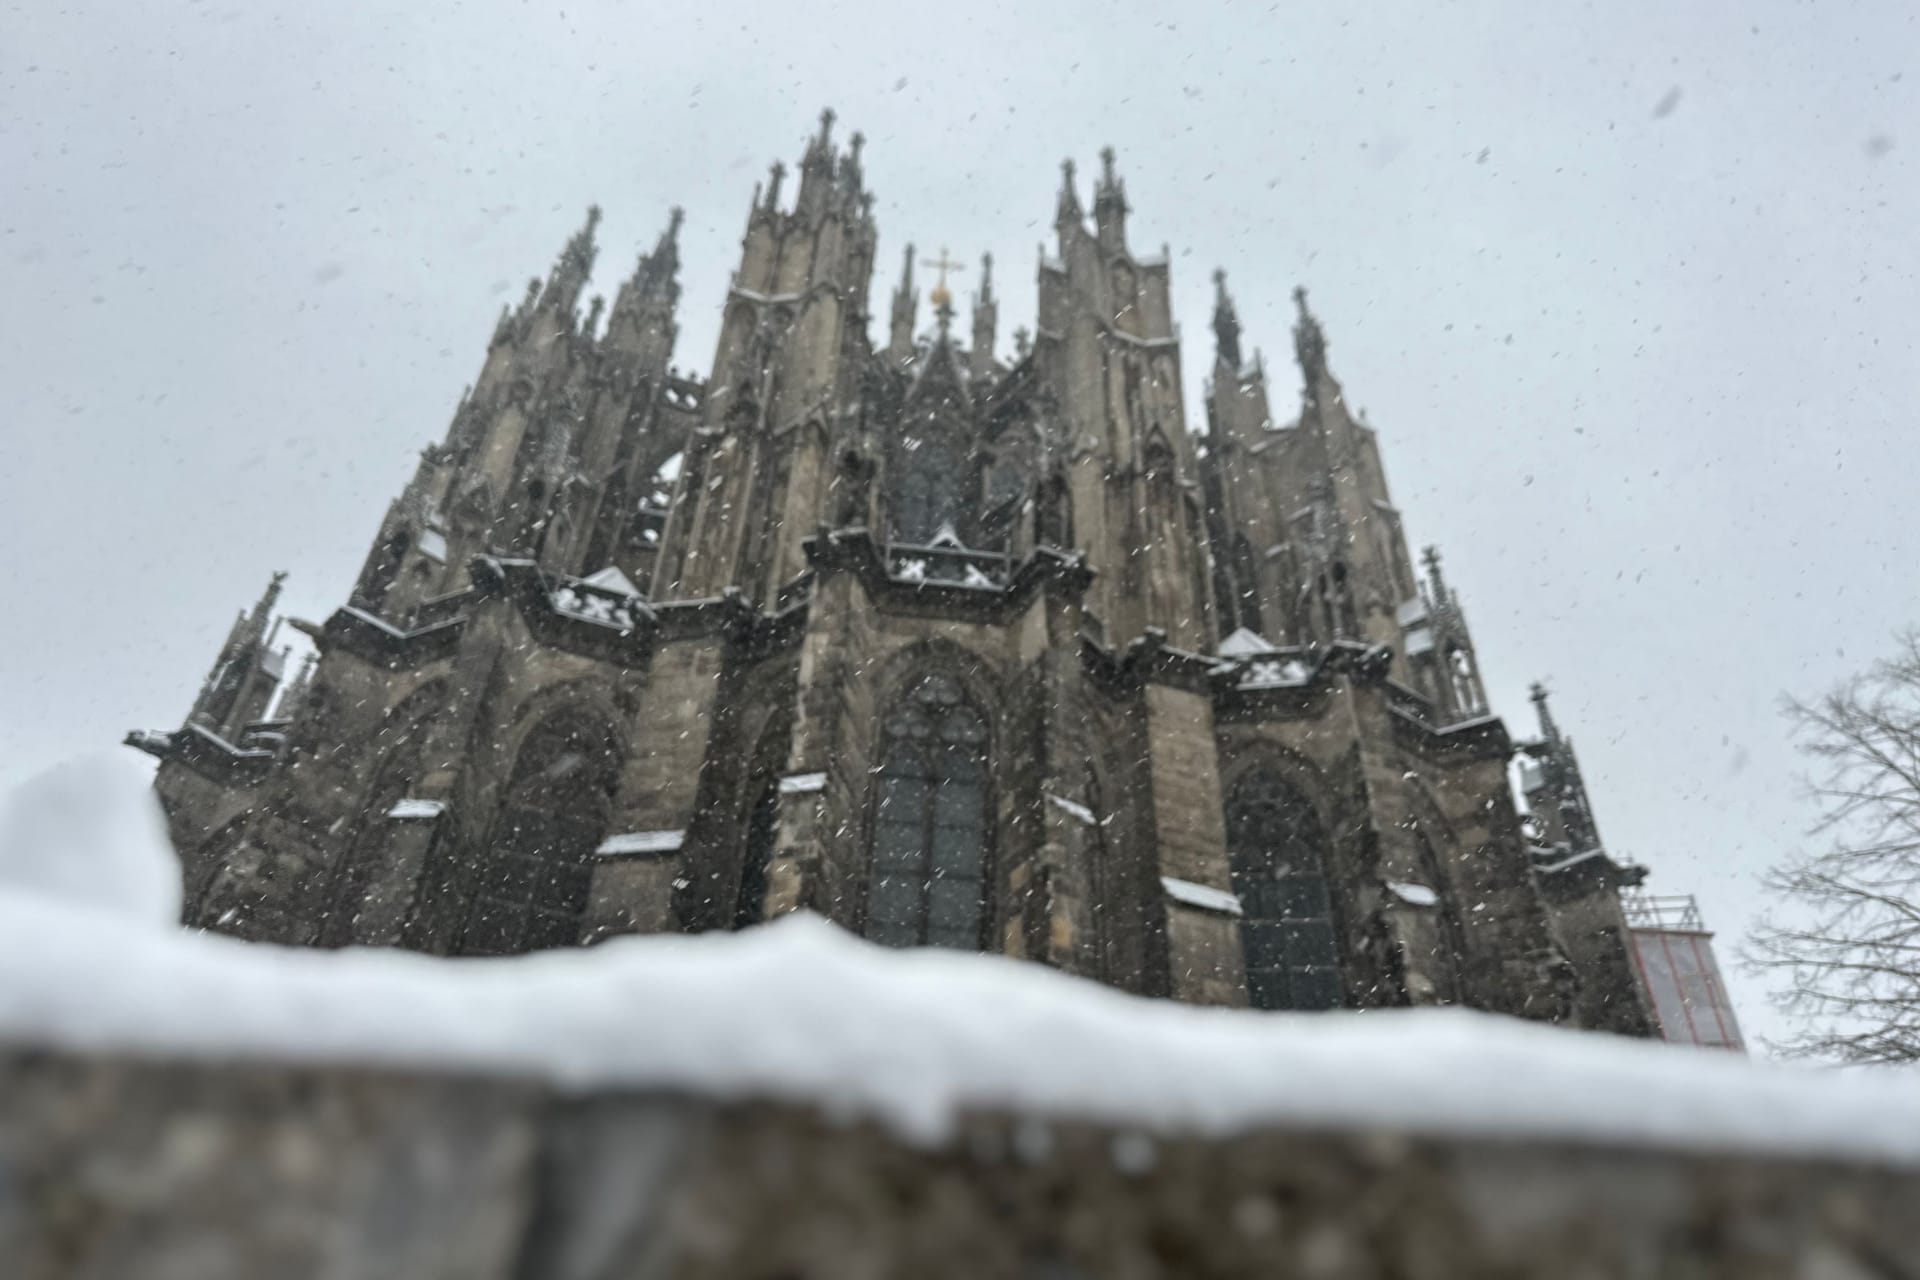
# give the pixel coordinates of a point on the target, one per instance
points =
(1560, 779)
(831, 182)
(240, 685)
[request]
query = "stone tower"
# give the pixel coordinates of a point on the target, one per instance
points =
(952, 645)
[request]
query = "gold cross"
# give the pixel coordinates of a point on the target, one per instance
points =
(940, 296)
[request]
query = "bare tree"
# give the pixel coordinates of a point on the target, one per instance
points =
(1849, 952)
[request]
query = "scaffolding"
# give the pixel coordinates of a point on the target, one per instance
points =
(1678, 912)
(1674, 952)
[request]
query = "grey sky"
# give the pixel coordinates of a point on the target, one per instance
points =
(1628, 290)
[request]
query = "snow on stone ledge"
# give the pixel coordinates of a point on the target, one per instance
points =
(1202, 896)
(799, 1010)
(630, 842)
(1073, 809)
(1417, 895)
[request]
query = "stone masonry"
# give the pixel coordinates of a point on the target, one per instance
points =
(950, 642)
(116, 1169)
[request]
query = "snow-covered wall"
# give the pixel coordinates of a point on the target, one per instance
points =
(802, 1012)
(794, 1101)
(208, 1171)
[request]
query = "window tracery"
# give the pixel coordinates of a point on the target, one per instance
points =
(1275, 845)
(532, 883)
(927, 873)
(932, 487)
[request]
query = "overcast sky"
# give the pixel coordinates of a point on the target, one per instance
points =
(1627, 289)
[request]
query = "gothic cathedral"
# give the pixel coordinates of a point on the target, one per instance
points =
(952, 643)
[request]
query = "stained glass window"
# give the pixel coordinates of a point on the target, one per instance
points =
(927, 879)
(1275, 843)
(533, 879)
(930, 487)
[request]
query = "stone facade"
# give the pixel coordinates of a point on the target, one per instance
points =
(946, 642)
(119, 1168)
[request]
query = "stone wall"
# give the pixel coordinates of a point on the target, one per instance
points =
(115, 1168)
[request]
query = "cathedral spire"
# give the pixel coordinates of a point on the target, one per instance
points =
(850, 175)
(822, 145)
(776, 174)
(1454, 678)
(244, 674)
(1560, 799)
(1226, 325)
(656, 272)
(263, 609)
(570, 273)
(1309, 343)
(986, 313)
(906, 305)
(1437, 585)
(642, 322)
(666, 251)
(817, 171)
(1549, 731)
(1110, 204)
(1068, 212)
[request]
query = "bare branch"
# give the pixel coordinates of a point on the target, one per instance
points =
(1849, 964)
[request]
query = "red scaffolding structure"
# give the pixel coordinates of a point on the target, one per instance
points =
(1674, 951)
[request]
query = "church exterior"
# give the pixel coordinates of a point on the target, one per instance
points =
(953, 643)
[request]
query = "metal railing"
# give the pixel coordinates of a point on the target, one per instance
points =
(1678, 912)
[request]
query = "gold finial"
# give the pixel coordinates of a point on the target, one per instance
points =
(941, 296)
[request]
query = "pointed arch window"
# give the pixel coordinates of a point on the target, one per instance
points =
(369, 856)
(1276, 846)
(927, 874)
(1246, 584)
(762, 798)
(533, 879)
(932, 479)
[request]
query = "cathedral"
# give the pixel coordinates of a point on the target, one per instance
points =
(952, 641)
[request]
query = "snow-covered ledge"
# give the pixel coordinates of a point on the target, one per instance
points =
(801, 1011)
(791, 1101)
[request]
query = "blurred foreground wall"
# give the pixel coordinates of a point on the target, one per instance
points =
(115, 1168)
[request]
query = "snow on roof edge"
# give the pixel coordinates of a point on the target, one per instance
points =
(800, 1011)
